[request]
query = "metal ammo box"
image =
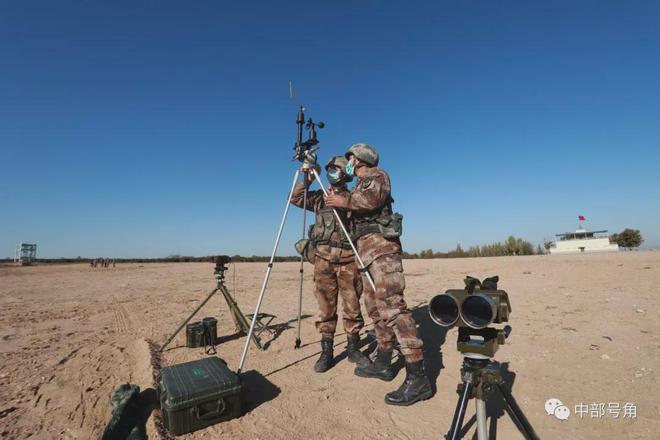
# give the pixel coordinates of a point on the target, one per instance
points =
(195, 334)
(197, 394)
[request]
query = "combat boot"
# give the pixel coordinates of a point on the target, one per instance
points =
(416, 387)
(353, 352)
(325, 360)
(380, 368)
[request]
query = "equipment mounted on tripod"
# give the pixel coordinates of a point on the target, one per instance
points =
(205, 333)
(305, 152)
(474, 309)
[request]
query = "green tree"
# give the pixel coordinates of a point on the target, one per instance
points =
(474, 251)
(628, 238)
(427, 253)
(458, 252)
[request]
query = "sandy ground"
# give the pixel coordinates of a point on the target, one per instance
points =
(585, 330)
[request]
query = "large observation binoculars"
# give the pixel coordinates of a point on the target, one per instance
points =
(473, 310)
(477, 306)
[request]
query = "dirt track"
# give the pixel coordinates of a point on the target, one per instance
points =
(585, 329)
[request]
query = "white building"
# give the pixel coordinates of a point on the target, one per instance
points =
(583, 241)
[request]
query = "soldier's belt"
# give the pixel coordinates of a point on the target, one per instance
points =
(334, 243)
(361, 229)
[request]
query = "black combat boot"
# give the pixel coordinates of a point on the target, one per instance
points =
(353, 352)
(416, 387)
(325, 360)
(380, 368)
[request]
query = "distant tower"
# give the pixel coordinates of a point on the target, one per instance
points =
(25, 253)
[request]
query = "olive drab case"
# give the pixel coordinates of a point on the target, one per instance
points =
(210, 326)
(197, 394)
(195, 334)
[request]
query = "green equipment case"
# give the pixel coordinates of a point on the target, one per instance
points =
(210, 325)
(195, 334)
(197, 394)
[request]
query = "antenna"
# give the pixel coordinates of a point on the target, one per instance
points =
(292, 93)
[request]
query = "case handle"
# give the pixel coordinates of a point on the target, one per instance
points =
(211, 414)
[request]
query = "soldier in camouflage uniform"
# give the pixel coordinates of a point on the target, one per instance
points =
(335, 271)
(376, 230)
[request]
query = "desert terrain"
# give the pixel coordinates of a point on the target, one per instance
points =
(586, 329)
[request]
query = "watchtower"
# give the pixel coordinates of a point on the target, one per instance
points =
(25, 253)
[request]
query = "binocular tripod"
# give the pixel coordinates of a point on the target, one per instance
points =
(240, 321)
(480, 376)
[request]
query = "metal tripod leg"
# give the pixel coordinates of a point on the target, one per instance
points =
(302, 265)
(239, 318)
(267, 276)
(459, 413)
(482, 430)
(517, 415)
(343, 228)
(188, 319)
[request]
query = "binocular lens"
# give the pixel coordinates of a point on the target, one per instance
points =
(478, 311)
(443, 310)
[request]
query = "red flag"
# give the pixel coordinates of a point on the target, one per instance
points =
(581, 218)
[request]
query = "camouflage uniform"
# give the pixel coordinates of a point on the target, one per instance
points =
(382, 257)
(335, 272)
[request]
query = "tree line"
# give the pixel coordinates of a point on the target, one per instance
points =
(511, 246)
(627, 239)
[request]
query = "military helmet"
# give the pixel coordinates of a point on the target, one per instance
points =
(365, 152)
(336, 161)
(341, 162)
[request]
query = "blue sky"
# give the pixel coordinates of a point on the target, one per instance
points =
(134, 128)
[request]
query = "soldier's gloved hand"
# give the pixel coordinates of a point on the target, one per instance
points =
(335, 201)
(309, 175)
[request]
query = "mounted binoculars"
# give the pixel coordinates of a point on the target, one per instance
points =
(473, 310)
(477, 306)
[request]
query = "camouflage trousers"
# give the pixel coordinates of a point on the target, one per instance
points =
(388, 310)
(332, 280)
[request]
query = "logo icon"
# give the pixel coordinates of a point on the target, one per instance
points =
(556, 408)
(562, 412)
(198, 372)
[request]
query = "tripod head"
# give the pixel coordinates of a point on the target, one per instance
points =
(305, 150)
(221, 262)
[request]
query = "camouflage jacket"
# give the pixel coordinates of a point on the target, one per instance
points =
(315, 203)
(370, 195)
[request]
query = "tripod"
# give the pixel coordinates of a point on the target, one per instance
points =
(304, 154)
(480, 375)
(240, 321)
